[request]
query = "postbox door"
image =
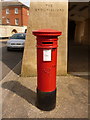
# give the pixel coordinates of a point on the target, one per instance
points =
(46, 68)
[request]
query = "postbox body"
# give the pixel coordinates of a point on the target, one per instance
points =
(47, 43)
(46, 64)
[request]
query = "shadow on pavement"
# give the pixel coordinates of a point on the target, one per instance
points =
(20, 90)
(86, 77)
(17, 69)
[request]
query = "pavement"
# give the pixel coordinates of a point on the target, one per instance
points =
(19, 93)
(19, 97)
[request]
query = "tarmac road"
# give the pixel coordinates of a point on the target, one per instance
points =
(9, 59)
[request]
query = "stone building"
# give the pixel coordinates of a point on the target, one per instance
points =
(70, 18)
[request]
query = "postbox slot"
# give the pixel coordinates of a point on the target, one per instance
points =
(47, 42)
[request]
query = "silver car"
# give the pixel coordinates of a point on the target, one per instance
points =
(16, 41)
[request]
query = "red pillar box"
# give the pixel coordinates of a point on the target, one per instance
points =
(46, 67)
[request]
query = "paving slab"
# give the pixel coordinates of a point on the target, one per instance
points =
(19, 97)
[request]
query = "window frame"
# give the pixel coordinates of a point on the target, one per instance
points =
(0, 21)
(16, 22)
(16, 11)
(7, 20)
(28, 12)
(7, 11)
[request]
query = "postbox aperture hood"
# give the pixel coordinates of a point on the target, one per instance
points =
(47, 32)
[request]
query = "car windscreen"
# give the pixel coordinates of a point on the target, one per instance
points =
(18, 36)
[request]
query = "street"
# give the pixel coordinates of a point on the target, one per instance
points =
(9, 59)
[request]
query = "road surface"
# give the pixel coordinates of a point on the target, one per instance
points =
(9, 59)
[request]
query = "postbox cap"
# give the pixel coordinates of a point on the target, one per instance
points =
(46, 32)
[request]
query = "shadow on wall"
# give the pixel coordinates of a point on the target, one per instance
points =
(77, 53)
(20, 90)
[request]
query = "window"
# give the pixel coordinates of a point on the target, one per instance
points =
(27, 12)
(18, 36)
(0, 21)
(7, 20)
(16, 10)
(16, 21)
(7, 11)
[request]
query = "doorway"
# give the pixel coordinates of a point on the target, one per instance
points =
(77, 51)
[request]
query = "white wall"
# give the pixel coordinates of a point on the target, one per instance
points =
(6, 31)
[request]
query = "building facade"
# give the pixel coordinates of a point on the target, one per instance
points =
(69, 18)
(14, 17)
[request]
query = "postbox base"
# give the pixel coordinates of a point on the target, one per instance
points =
(46, 100)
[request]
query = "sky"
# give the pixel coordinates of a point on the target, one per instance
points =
(26, 2)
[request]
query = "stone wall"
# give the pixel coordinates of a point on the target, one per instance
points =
(6, 31)
(43, 15)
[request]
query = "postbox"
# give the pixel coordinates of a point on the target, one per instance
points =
(47, 43)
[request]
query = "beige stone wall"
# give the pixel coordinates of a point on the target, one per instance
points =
(53, 15)
(6, 31)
